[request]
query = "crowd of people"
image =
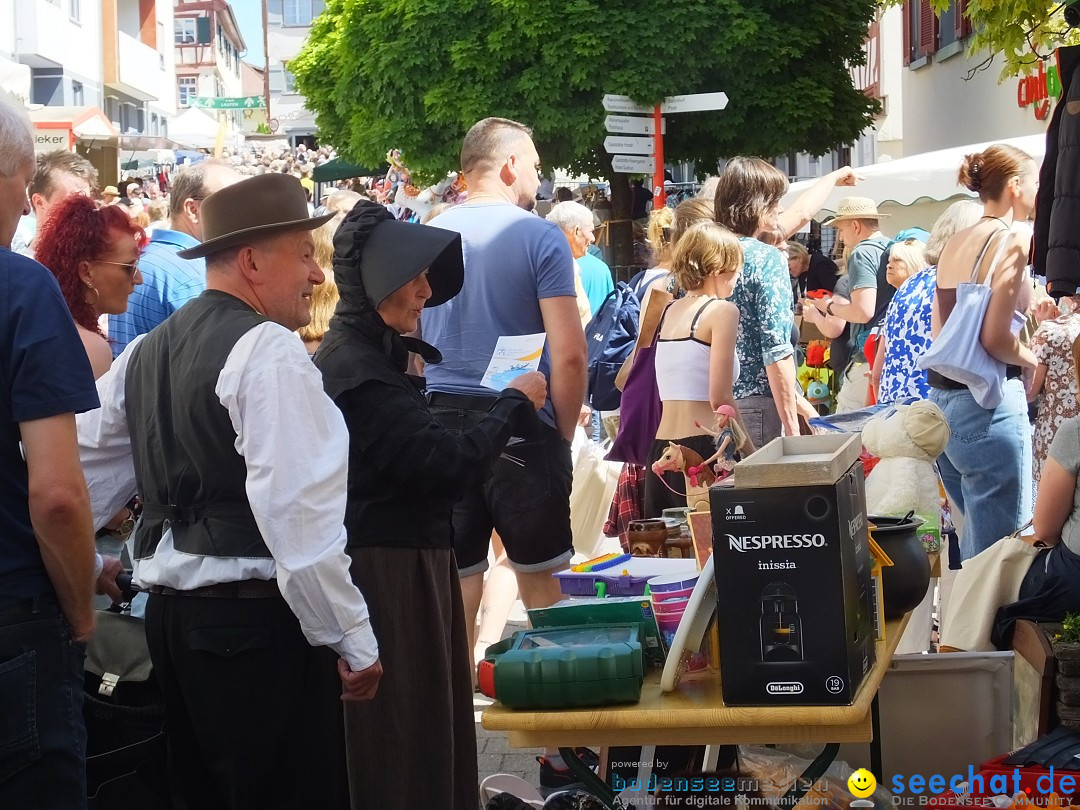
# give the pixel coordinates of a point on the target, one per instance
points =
(230, 395)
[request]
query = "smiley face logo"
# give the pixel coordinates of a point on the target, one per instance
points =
(861, 783)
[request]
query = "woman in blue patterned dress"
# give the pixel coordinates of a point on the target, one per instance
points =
(905, 334)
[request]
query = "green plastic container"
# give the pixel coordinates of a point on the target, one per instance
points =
(565, 667)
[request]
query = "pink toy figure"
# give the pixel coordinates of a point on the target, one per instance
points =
(729, 437)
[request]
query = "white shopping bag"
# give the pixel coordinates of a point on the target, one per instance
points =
(590, 498)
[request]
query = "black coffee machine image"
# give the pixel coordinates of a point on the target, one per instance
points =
(781, 627)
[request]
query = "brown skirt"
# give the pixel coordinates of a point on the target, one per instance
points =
(414, 745)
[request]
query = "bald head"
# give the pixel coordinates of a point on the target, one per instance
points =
(191, 186)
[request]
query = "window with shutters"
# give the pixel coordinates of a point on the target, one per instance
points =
(925, 33)
(920, 30)
(184, 30)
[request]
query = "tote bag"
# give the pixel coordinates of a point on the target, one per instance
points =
(957, 352)
(639, 412)
(640, 408)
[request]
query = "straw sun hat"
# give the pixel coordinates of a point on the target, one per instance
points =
(854, 208)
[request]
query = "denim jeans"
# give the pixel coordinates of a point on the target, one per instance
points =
(42, 733)
(986, 467)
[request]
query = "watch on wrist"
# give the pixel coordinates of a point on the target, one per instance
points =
(127, 526)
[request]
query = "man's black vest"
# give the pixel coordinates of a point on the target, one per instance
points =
(190, 475)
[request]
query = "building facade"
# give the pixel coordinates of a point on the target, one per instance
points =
(208, 47)
(137, 65)
(934, 95)
(288, 23)
(60, 42)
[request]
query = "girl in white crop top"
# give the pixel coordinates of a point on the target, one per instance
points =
(696, 364)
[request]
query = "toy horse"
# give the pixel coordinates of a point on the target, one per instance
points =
(679, 458)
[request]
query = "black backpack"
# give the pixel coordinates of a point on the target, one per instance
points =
(610, 336)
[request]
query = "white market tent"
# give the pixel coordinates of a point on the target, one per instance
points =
(195, 129)
(914, 190)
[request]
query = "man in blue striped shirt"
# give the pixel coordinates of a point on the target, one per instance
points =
(169, 282)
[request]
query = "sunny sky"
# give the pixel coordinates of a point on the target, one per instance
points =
(249, 16)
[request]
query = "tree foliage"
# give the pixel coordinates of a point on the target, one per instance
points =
(415, 74)
(1019, 31)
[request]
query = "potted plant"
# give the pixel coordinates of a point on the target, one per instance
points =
(1067, 646)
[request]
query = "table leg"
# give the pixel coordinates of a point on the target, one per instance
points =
(593, 783)
(875, 743)
(814, 771)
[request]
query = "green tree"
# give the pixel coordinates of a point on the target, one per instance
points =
(415, 74)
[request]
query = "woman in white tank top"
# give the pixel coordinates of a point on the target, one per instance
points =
(696, 364)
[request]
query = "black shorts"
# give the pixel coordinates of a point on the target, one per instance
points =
(526, 499)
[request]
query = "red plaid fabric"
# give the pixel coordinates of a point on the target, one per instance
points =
(628, 503)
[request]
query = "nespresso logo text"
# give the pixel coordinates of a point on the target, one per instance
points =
(755, 542)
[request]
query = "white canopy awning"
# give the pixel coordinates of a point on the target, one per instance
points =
(929, 177)
(195, 129)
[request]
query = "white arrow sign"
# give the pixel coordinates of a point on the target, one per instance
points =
(629, 145)
(625, 164)
(632, 125)
(698, 102)
(623, 104)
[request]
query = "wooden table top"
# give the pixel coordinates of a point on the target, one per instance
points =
(695, 714)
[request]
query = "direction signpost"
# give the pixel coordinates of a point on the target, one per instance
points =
(632, 164)
(231, 103)
(630, 125)
(622, 147)
(629, 145)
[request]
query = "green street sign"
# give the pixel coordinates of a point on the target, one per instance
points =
(238, 103)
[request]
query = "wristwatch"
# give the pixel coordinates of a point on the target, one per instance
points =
(128, 526)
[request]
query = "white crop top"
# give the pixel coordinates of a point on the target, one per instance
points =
(682, 365)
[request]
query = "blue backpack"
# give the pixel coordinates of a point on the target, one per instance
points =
(610, 336)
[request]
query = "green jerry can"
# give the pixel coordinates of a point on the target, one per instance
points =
(565, 667)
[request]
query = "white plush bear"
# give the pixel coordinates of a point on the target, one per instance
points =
(907, 442)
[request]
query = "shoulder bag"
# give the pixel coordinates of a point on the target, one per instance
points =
(957, 352)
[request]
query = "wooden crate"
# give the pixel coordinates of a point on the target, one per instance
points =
(799, 461)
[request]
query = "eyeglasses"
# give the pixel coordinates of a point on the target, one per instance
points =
(130, 267)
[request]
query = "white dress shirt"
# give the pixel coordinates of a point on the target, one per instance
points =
(295, 446)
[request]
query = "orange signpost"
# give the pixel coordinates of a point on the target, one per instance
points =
(659, 195)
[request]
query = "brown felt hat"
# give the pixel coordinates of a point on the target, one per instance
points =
(256, 208)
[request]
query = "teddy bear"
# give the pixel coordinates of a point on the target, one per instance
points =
(907, 441)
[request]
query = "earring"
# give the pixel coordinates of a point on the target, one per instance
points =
(95, 291)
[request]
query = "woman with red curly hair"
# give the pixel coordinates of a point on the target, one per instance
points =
(94, 253)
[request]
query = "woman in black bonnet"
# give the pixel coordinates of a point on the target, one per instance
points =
(414, 744)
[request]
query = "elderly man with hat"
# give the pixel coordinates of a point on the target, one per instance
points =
(868, 293)
(218, 418)
(110, 195)
(406, 472)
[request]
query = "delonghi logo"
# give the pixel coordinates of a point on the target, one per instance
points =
(784, 688)
(768, 541)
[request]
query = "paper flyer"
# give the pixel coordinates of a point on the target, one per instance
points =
(513, 356)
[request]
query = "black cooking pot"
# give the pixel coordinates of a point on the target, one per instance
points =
(905, 581)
